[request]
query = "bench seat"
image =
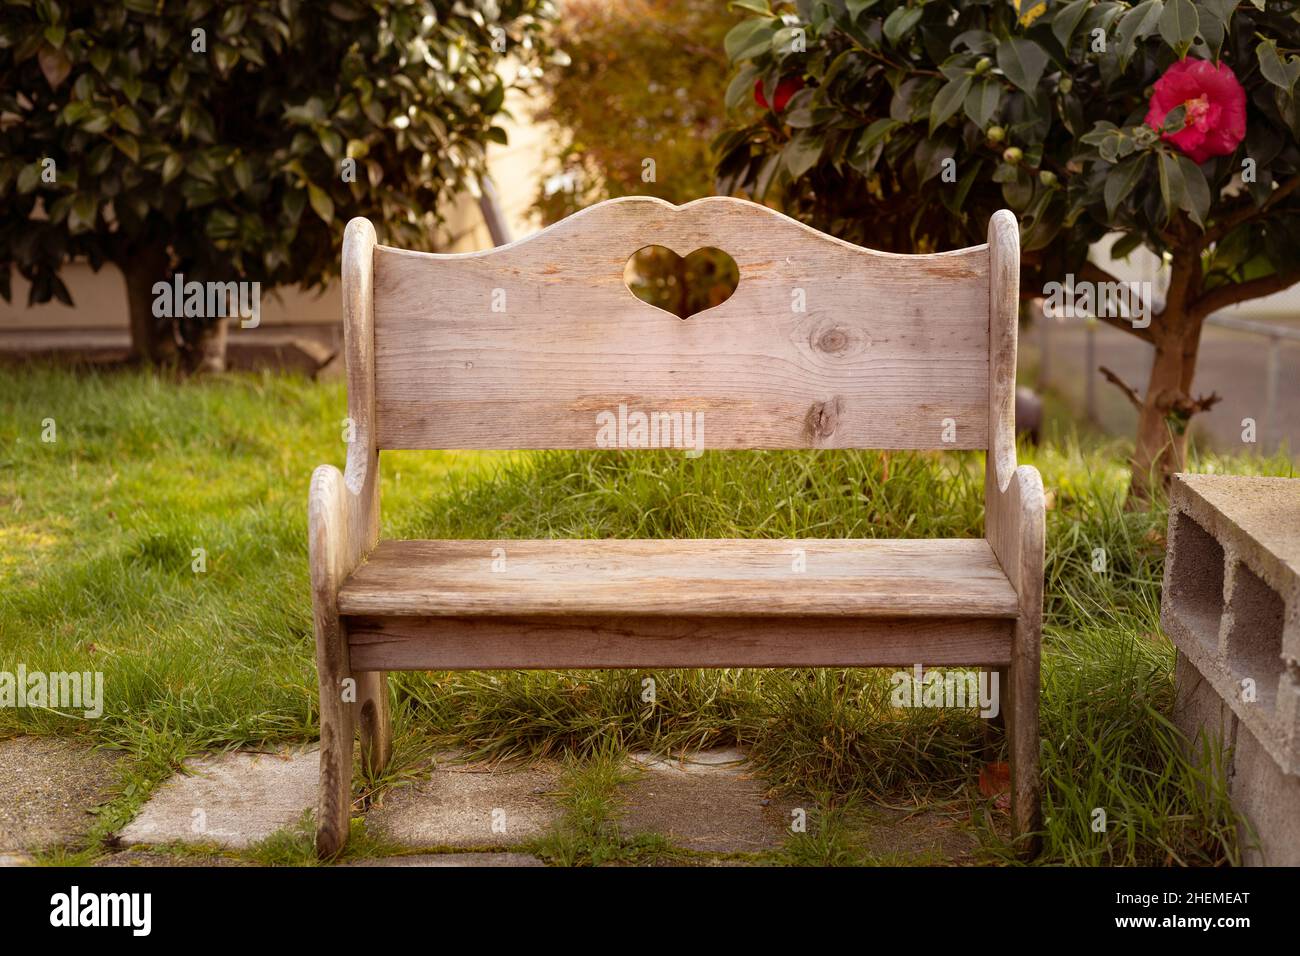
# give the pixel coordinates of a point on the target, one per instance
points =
(686, 603)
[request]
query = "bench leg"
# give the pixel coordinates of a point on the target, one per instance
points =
(334, 796)
(995, 727)
(1020, 700)
(374, 721)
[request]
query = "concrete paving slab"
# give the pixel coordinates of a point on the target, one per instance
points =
(155, 858)
(470, 805)
(232, 799)
(453, 859)
(911, 837)
(708, 802)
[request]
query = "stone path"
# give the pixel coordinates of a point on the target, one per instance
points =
(232, 800)
(48, 786)
(470, 805)
(708, 806)
(707, 803)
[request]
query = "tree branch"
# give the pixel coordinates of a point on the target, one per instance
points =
(1225, 226)
(1129, 391)
(1095, 273)
(1223, 296)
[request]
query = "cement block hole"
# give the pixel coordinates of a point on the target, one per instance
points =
(1254, 643)
(1196, 580)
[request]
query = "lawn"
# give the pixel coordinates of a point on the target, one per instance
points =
(100, 532)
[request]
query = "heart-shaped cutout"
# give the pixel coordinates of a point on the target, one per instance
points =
(660, 277)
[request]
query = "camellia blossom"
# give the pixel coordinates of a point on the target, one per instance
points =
(1216, 108)
(787, 88)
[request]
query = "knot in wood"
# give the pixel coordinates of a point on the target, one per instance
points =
(823, 418)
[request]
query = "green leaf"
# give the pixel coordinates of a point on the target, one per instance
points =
(243, 171)
(29, 177)
(1120, 182)
(877, 132)
(766, 173)
(1279, 72)
(331, 142)
(125, 117)
(75, 112)
(760, 7)
(982, 102)
(1023, 62)
(1172, 187)
(802, 152)
(748, 39)
(172, 167)
(929, 156)
(741, 86)
(1179, 24)
(1196, 191)
(900, 23)
(948, 101)
(1215, 17)
(1140, 21)
(129, 147)
(1067, 20)
(81, 215)
(798, 112)
(321, 203)
(1220, 10)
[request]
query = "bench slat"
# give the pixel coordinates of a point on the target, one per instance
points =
(841, 578)
(500, 643)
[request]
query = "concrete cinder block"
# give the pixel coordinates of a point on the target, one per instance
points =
(1200, 713)
(1270, 800)
(1231, 605)
(1231, 600)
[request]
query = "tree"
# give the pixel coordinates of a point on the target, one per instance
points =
(638, 98)
(233, 141)
(1172, 122)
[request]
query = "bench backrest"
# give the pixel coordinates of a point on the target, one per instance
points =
(540, 343)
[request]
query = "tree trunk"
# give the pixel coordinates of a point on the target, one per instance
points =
(1166, 409)
(152, 338)
(207, 351)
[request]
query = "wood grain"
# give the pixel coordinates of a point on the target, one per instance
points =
(343, 525)
(699, 578)
(329, 545)
(888, 348)
(1015, 516)
(487, 643)
(362, 474)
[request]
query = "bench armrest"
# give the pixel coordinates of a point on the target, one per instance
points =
(1014, 524)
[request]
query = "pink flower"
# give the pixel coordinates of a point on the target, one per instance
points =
(787, 88)
(1216, 108)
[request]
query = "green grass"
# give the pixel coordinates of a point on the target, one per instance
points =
(97, 539)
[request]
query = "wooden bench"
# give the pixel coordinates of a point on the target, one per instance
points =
(526, 345)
